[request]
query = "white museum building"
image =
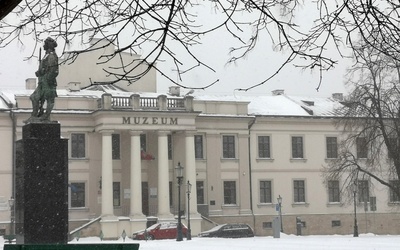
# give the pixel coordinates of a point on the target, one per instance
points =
(239, 153)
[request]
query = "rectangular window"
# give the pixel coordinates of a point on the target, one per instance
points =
(229, 192)
(198, 147)
(77, 194)
(78, 145)
(267, 225)
(228, 144)
(336, 223)
(200, 192)
(331, 147)
(372, 203)
(145, 198)
(263, 147)
(362, 148)
(265, 192)
(116, 147)
(143, 144)
(116, 194)
(169, 147)
(393, 196)
(363, 191)
(299, 191)
(297, 147)
(393, 145)
(334, 191)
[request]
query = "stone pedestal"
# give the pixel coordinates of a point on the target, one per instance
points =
(41, 208)
(138, 224)
(109, 227)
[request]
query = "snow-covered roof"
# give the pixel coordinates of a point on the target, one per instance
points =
(7, 97)
(283, 105)
(266, 105)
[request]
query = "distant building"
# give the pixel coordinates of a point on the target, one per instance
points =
(239, 153)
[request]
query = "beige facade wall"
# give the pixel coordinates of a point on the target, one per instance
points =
(214, 169)
(282, 170)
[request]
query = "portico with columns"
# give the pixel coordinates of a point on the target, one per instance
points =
(158, 173)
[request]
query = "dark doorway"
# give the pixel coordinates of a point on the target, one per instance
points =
(145, 198)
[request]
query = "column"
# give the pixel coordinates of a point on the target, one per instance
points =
(136, 176)
(163, 177)
(190, 169)
(107, 208)
(138, 219)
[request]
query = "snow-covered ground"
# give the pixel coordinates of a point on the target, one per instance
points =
(286, 242)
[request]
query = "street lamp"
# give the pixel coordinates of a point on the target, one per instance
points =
(280, 210)
(355, 233)
(179, 176)
(188, 191)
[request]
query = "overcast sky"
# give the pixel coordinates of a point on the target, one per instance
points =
(260, 64)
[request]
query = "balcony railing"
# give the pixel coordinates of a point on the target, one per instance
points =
(121, 102)
(175, 103)
(136, 102)
(148, 103)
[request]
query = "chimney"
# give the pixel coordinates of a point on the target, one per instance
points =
(337, 96)
(74, 86)
(174, 90)
(278, 92)
(30, 83)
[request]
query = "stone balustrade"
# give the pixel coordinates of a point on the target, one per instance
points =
(136, 102)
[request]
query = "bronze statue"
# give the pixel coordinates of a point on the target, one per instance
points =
(47, 84)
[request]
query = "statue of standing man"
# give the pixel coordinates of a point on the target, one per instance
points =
(47, 84)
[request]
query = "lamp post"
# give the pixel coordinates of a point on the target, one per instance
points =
(355, 233)
(280, 211)
(179, 176)
(188, 191)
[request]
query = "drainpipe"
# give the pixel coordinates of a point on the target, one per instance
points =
(250, 176)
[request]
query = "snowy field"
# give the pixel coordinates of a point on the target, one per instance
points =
(286, 242)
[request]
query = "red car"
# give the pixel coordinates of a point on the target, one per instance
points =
(159, 231)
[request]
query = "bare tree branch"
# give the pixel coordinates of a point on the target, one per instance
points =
(169, 31)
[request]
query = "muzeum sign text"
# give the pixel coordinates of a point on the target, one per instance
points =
(150, 120)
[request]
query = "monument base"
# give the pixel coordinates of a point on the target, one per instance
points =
(41, 207)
